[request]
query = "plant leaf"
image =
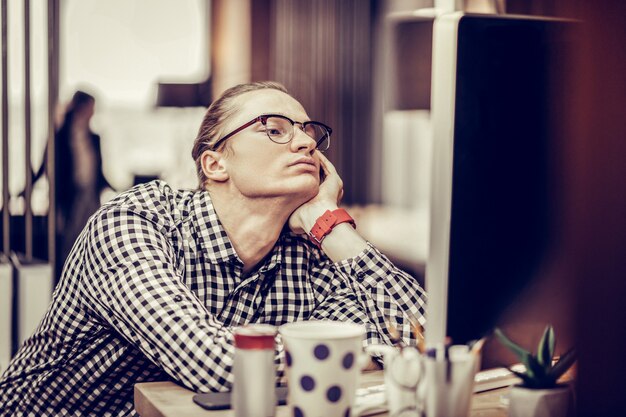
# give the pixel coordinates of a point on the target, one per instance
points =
(535, 370)
(526, 380)
(545, 350)
(565, 362)
(521, 353)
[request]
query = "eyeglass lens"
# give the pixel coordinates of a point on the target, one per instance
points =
(281, 130)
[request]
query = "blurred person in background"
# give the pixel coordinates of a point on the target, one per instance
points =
(79, 179)
(159, 278)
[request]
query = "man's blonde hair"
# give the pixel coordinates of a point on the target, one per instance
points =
(217, 113)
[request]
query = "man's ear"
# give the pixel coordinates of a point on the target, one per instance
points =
(213, 166)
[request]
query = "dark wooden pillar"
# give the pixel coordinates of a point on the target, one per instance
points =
(598, 222)
(322, 51)
(6, 232)
(53, 93)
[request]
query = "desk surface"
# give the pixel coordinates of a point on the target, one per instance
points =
(166, 399)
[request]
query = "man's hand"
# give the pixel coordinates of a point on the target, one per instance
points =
(328, 198)
(343, 242)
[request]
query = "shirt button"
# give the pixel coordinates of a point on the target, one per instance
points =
(178, 298)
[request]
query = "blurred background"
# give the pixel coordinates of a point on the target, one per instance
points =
(154, 65)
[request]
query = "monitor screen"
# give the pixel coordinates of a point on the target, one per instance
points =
(497, 83)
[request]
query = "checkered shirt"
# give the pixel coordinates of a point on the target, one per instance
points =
(153, 289)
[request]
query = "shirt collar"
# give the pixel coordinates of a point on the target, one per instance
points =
(208, 231)
(275, 256)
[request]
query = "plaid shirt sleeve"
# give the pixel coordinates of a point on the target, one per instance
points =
(374, 292)
(132, 284)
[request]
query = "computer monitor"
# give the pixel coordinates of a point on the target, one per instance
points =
(496, 87)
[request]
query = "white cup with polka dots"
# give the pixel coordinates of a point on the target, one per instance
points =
(323, 363)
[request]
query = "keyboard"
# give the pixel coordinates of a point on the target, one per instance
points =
(370, 401)
(496, 378)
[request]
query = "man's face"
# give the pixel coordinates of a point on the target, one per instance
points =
(260, 168)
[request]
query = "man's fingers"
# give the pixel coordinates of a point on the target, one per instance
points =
(328, 166)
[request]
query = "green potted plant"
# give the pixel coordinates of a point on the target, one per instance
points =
(540, 393)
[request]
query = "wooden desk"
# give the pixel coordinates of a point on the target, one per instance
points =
(166, 399)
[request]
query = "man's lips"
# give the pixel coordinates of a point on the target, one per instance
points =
(304, 161)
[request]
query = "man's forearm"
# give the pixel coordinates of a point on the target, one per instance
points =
(343, 241)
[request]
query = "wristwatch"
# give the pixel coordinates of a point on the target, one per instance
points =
(326, 222)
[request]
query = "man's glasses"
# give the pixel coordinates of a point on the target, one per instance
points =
(281, 129)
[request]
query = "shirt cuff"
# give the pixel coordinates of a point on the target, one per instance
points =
(369, 267)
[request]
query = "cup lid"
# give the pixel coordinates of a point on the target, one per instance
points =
(255, 336)
(326, 329)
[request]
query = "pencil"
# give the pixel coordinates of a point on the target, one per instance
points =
(418, 331)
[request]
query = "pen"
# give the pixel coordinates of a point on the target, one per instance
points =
(477, 346)
(448, 363)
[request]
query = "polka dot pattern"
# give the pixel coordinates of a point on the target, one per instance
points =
(334, 393)
(321, 352)
(322, 373)
(348, 360)
(307, 383)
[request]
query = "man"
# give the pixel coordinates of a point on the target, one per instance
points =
(158, 278)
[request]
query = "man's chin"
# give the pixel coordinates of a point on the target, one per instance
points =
(307, 193)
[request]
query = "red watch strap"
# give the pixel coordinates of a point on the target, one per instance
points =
(326, 222)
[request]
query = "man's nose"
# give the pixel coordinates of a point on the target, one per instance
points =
(302, 141)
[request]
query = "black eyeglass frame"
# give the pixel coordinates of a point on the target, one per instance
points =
(263, 119)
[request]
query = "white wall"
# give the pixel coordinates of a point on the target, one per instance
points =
(119, 50)
(123, 47)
